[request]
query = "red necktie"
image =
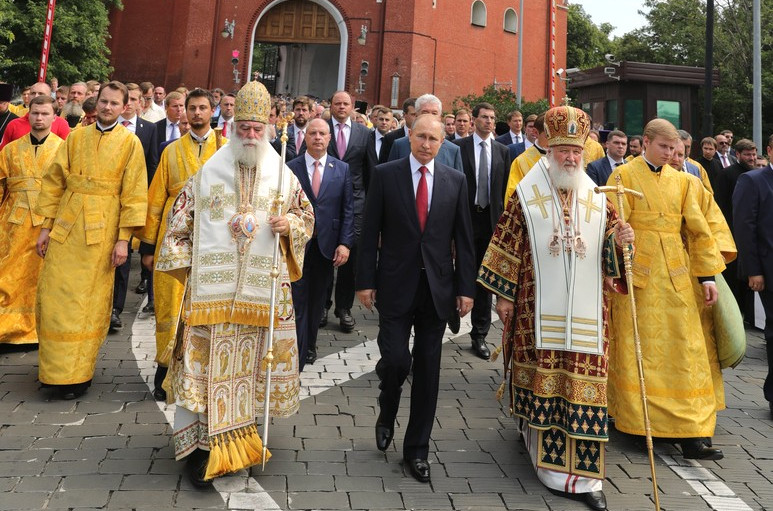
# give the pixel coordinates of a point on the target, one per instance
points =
(316, 179)
(422, 198)
(126, 123)
(225, 129)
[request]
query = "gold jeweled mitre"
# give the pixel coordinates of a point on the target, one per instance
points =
(253, 103)
(566, 125)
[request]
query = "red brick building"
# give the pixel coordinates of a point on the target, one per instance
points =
(408, 47)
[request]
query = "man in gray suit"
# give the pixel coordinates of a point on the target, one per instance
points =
(449, 153)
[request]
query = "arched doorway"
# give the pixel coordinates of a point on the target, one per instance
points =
(299, 47)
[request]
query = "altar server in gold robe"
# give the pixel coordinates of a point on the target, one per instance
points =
(674, 246)
(22, 163)
(93, 196)
(527, 159)
(220, 237)
(179, 161)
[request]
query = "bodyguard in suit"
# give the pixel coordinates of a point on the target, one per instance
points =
(145, 131)
(409, 115)
(448, 154)
(169, 128)
(487, 167)
(516, 150)
(600, 170)
(326, 182)
(296, 132)
(349, 143)
(376, 145)
(514, 135)
(753, 231)
(416, 210)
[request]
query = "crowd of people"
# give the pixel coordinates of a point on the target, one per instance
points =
(424, 215)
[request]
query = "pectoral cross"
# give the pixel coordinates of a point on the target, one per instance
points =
(539, 200)
(589, 206)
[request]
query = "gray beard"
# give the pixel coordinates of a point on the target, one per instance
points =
(249, 155)
(563, 178)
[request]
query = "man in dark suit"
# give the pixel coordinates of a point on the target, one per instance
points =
(514, 135)
(168, 128)
(487, 162)
(416, 210)
(753, 232)
(326, 182)
(462, 122)
(296, 138)
(384, 117)
(516, 150)
(145, 131)
(409, 115)
(349, 143)
(723, 154)
(600, 170)
(712, 165)
(447, 155)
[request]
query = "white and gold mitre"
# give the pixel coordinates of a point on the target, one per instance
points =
(253, 103)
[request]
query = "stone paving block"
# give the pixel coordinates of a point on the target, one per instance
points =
(267, 483)
(38, 483)
(472, 470)
(464, 457)
(30, 431)
(17, 501)
(124, 467)
(331, 456)
(373, 469)
(304, 483)
(8, 483)
(202, 499)
(154, 441)
(427, 500)
(442, 484)
(92, 481)
(282, 468)
(89, 430)
(150, 482)
(166, 466)
(137, 453)
(325, 468)
(131, 499)
(318, 500)
(357, 484)
(28, 468)
(479, 500)
(79, 454)
(320, 444)
(375, 500)
(80, 498)
(252, 501)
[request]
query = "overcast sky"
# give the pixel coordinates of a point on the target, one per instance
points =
(622, 14)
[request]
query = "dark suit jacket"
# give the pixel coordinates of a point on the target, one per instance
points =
(392, 266)
(449, 154)
(291, 143)
(334, 208)
(382, 155)
(507, 138)
(599, 171)
(730, 157)
(500, 172)
(159, 137)
(725, 186)
(753, 221)
(389, 140)
(146, 132)
(516, 150)
(360, 166)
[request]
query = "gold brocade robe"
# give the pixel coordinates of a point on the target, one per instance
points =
(21, 170)
(592, 151)
(674, 245)
(519, 168)
(94, 193)
(179, 161)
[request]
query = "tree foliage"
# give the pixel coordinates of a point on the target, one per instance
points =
(78, 41)
(588, 42)
(503, 100)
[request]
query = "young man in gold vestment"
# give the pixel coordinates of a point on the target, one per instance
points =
(179, 161)
(93, 196)
(22, 163)
(677, 369)
(220, 237)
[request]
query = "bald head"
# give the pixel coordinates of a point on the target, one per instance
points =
(40, 89)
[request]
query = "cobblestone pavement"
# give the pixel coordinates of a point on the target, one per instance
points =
(111, 448)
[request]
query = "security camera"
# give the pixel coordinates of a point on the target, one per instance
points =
(572, 70)
(610, 57)
(560, 71)
(609, 70)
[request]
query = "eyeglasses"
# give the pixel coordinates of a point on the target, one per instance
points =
(723, 143)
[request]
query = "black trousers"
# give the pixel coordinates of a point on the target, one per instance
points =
(309, 294)
(344, 284)
(395, 364)
(121, 284)
(767, 304)
(480, 316)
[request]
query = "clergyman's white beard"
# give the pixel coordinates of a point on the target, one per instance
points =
(249, 152)
(565, 177)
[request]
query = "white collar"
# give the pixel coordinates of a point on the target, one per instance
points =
(415, 164)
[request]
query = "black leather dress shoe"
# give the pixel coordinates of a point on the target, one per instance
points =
(454, 322)
(385, 431)
(150, 308)
(419, 469)
(196, 468)
(311, 356)
(142, 287)
(595, 500)
(323, 319)
(695, 449)
(345, 320)
(115, 321)
(73, 391)
(159, 394)
(481, 349)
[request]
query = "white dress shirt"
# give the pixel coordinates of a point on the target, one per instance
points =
(310, 166)
(416, 176)
(132, 126)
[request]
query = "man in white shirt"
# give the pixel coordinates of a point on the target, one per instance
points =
(514, 134)
(226, 119)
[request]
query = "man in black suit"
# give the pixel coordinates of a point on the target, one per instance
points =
(145, 131)
(600, 170)
(462, 122)
(487, 167)
(383, 125)
(326, 182)
(169, 128)
(416, 210)
(753, 232)
(296, 132)
(712, 165)
(409, 115)
(349, 143)
(723, 154)
(6, 116)
(514, 135)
